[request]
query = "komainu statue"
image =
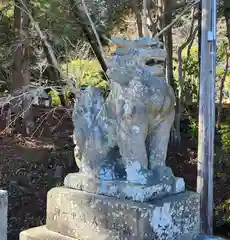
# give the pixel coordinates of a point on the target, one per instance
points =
(121, 141)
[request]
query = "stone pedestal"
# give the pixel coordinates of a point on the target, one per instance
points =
(77, 215)
(3, 214)
(84, 216)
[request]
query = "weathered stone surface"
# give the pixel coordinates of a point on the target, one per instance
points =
(209, 238)
(142, 42)
(87, 216)
(156, 187)
(201, 237)
(124, 190)
(3, 214)
(42, 233)
(125, 137)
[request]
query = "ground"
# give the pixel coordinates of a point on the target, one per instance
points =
(30, 166)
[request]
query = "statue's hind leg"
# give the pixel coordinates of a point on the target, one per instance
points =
(131, 143)
(158, 142)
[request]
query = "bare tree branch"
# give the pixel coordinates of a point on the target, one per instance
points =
(49, 48)
(144, 21)
(181, 77)
(94, 29)
(174, 21)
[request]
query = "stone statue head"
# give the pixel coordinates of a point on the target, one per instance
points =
(134, 56)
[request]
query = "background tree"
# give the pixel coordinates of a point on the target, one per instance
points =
(227, 16)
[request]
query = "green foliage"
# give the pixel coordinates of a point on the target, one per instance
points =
(51, 15)
(6, 30)
(220, 70)
(55, 98)
(86, 72)
(225, 137)
(193, 128)
(190, 63)
(57, 23)
(191, 70)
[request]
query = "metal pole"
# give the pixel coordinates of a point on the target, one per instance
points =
(207, 115)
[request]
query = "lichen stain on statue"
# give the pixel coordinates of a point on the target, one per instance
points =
(121, 142)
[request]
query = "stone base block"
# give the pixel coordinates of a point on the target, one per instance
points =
(42, 233)
(86, 216)
(3, 214)
(123, 189)
(209, 238)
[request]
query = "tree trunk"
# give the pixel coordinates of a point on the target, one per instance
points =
(27, 104)
(17, 75)
(79, 14)
(227, 16)
(199, 40)
(53, 73)
(138, 17)
(181, 78)
(160, 17)
(180, 95)
(21, 58)
(164, 17)
(222, 81)
(149, 28)
(168, 40)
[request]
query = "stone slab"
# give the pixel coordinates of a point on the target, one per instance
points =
(42, 233)
(82, 215)
(201, 237)
(123, 189)
(209, 238)
(3, 214)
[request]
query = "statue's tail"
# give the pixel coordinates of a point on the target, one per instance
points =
(86, 108)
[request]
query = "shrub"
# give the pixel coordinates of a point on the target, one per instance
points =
(225, 137)
(86, 72)
(193, 128)
(55, 98)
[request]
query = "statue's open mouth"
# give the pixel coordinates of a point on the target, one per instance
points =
(152, 61)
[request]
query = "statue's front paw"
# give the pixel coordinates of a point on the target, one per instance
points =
(136, 173)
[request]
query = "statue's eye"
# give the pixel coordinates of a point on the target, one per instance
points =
(130, 62)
